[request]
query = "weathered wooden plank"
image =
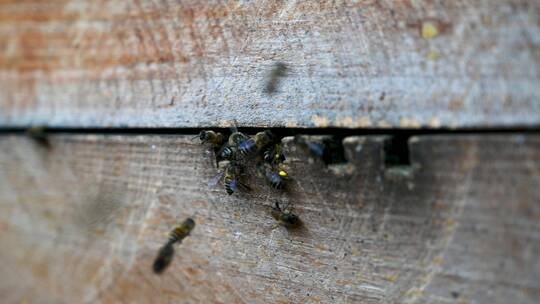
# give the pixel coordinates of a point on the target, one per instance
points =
(81, 221)
(144, 63)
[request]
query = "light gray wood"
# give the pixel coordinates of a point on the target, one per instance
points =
(82, 220)
(369, 64)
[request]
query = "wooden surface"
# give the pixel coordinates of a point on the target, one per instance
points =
(81, 221)
(139, 63)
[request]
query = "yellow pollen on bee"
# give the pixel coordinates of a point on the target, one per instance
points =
(283, 173)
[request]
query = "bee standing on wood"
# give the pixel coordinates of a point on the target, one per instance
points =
(278, 71)
(285, 218)
(229, 150)
(216, 139)
(274, 155)
(256, 143)
(166, 253)
(276, 178)
(236, 137)
(233, 171)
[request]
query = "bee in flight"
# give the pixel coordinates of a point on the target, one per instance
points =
(256, 143)
(285, 217)
(278, 71)
(166, 253)
(276, 178)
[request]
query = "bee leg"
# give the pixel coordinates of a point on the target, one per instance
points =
(244, 186)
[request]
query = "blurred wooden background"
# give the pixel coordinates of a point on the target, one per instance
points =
(81, 220)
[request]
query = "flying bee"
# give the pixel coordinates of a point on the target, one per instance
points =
(276, 179)
(274, 155)
(285, 218)
(216, 139)
(278, 71)
(166, 253)
(233, 171)
(256, 143)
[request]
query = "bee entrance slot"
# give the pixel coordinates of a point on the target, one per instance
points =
(396, 152)
(334, 153)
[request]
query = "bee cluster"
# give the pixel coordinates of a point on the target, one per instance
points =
(238, 150)
(236, 153)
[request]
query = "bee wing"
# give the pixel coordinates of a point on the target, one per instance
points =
(216, 179)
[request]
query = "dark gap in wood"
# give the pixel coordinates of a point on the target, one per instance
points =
(334, 153)
(396, 151)
(282, 132)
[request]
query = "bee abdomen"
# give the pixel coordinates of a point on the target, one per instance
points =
(164, 258)
(178, 234)
(227, 153)
(230, 186)
(247, 147)
(181, 231)
(275, 180)
(269, 155)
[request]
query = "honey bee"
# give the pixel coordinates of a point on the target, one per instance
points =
(278, 71)
(232, 173)
(228, 151)
(285, 218)
(166, 253)
(276, 178)
(236, 137)
(256, 143)
(216, 139)
(274, 155)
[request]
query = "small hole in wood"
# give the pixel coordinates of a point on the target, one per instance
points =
(396, 151)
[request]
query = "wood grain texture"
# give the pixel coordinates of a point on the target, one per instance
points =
(81, 221)
(144, 63)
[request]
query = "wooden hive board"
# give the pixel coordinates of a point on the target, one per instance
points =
(81, 221)
(370, 64)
